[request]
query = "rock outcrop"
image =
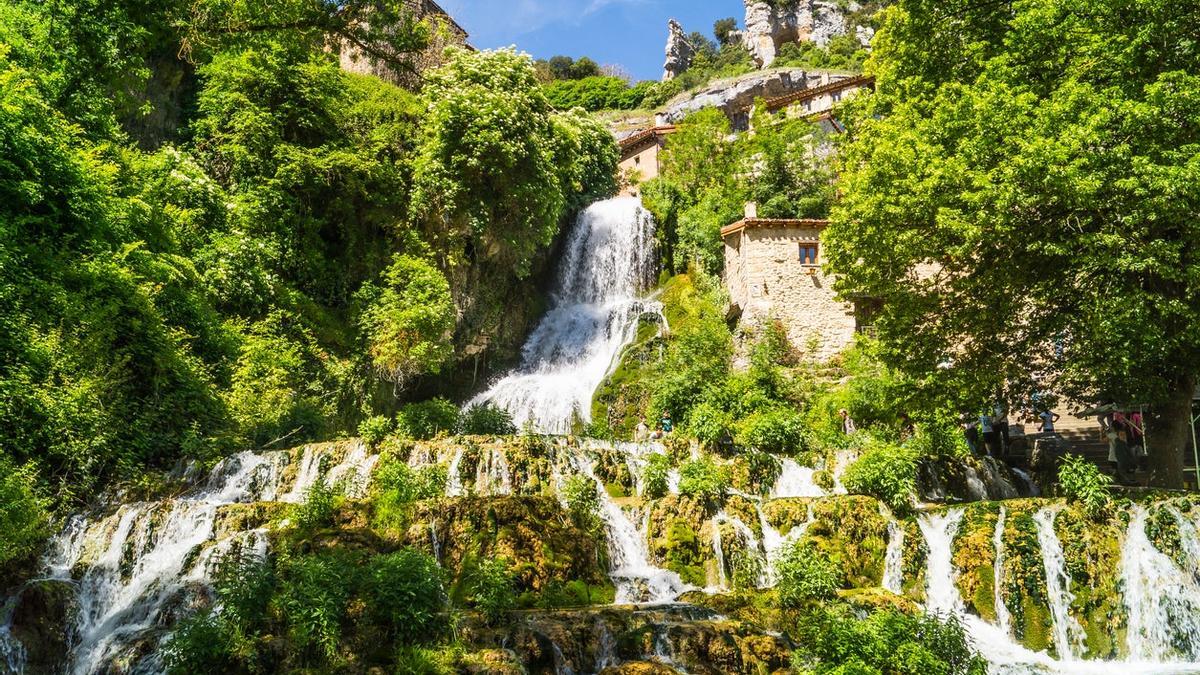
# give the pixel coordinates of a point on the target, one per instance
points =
(679, 52)
(769, 25)
(736, 95)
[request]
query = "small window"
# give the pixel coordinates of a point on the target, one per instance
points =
(637, 160)
(808, 253)
(837, 96)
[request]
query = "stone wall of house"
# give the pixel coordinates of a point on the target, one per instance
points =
(766, 280)
(639, 168)
(444, 33)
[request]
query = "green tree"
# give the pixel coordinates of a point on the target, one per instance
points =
(723, 30)
(409, 322)
(488, 167)
(1040, 160)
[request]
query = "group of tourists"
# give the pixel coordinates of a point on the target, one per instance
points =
(989, 432)
(664, 428)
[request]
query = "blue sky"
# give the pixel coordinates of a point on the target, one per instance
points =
(632, 33)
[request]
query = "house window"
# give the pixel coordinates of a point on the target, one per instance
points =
(808, 253)
(637, 160)
(837, 96)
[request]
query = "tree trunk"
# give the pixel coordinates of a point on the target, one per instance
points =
(1168, 434)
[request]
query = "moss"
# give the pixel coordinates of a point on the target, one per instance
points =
(853, 533)
(683, 552)
(975, 558)
(1092, 551)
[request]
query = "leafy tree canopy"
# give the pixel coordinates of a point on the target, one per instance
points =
(1021, 193)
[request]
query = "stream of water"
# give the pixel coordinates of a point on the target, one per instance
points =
(607, 265)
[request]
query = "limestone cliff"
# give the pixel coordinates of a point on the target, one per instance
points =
(679, 52)
(770, 25)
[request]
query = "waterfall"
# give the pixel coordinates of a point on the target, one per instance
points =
(12, 652)
(893, 559)
(606, 647)
(842, 462)
(795, 481)
(1003, 619)
(1068, 634)
(454, 486)
(594, 312)
(750, 545)
(492, 477)
(133, 564)
(719, 556)
(635, 578)
(941, 593)
(1162, 600)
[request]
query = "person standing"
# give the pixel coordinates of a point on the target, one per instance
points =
(990, 438)
(1048, 419)
(848, 427)
(667, 426)
(642, 432)
(1000, 424)
(971, 433)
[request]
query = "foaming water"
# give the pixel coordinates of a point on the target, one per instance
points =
(608, 264)
(1004, 655)
(133, 566)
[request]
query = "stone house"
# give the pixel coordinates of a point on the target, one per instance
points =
(640, 157)
(773, 272)
(445, 32)
(820, 99)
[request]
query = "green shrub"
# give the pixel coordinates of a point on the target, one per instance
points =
(199, 643)
(762, 469)
(805, 573)
(1083, 483)
(656, 476)
(778, 430)
(312, 598)
(23, 518)
(405, 593)
(320, 501)
(374, 429)
(886, 472)
(396, 482)
(710, 423)
(492, 590)
(486, 419)
(840, 642)
(703, 479)
(426, 661)
(425, 420)
(583, 502)
(409, 320)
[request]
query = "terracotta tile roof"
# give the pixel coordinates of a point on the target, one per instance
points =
(644, 135)
(807, 94)
(810, 223)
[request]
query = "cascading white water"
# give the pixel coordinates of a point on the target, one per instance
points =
(719, 557)
(795, 481)
(635, 578)
(132, 563)
(1003, 618)
(893, 559)
(1069, 637)
(454, 486)
(842, 461)
(750, 545)
(1002, 653)
(1163, 600)
(608, 263)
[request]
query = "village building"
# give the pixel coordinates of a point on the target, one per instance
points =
(640, 158)
(818, 101)
(773, 271)
(444, 32)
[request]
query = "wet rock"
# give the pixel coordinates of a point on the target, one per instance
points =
(43, 614)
